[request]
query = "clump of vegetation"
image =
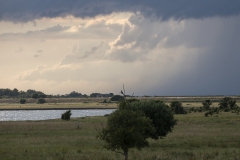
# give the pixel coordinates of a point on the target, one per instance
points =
(66, 116)
(117, 98)
(41, 101)
(206, 104)
(177, 107)
(134, 122)
(227, 104)
(23, 101)
(41, 95)
(161, 115)
(212, 111)
(127, 129)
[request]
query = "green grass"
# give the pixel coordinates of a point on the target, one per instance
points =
(194, 137)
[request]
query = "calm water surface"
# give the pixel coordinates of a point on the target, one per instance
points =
(32, 115)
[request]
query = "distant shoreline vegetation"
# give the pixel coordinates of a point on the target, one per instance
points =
(30, 93)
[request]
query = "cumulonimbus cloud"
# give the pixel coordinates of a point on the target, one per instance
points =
(28, 10)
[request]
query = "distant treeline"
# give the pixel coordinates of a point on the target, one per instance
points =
(8, 93)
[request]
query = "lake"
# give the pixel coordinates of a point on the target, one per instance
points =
(33, 115)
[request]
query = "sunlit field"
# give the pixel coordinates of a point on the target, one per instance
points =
(89, 103)
(194, 137)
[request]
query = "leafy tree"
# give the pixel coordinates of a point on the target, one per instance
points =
(85, 96)
(42, 96)
(160, 114)
(23, 101)
(177, 107)
(117, 98)
(41, 101)
(9, 93)
(66, 116)
(75, 94)
(227, 104)
(22, 94)
(15, 92)
(206, 104)
(94, 94)
(127, 129)
(35, 96)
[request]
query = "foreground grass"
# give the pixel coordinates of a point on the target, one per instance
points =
(194, 137)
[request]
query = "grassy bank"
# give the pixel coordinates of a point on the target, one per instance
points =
(194, 137)
(91, 103)
(81, 105)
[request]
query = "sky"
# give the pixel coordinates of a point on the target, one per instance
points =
(154, 47)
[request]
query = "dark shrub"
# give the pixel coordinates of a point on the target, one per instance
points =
(227, 104)
(66, 116)
(117, 98)
(206, 104)
(160, 114)
(23, 101)
(35, 96)
(177, 107)
(41, 101)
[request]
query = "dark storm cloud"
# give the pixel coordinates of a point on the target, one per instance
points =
(27, 10)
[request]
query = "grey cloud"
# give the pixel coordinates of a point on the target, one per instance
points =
(98, 30)
(92, 51)
(27, 10)
(138, 38)
(78, 55)
(51, 32)
(40, 51)
(213, 75)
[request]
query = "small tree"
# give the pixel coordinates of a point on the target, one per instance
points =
(66, 116)
(41, 101)
(177, 107)
(206, 104)
(23, 101)
(227, 104)
(35, 96)
(127, 129)
(160, 114)
(117, 98)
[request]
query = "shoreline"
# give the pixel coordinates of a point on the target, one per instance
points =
(29, 109)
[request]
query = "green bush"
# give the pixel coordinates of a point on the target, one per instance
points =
(227, 104)
(23, 101)
(127, 129)
(160, 114)
(66, 116)
(177, 107)
(41, 101)
(117, 98)
(206, 104)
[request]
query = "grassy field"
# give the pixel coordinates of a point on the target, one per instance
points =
(81, 105)
(57, 103)
(194, 137)
(89, 103)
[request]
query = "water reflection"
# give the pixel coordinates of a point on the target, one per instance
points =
(23, 115)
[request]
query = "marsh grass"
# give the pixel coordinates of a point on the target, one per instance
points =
(80, 105)
(194, 137)
(66, 103)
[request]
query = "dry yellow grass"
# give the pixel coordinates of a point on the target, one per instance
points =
(92, 105)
